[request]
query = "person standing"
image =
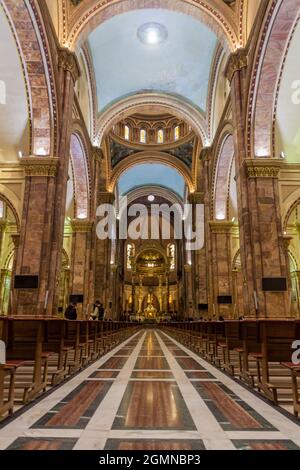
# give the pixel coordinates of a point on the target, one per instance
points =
(96, 312)
(71, 312)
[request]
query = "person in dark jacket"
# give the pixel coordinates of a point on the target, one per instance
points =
(71, 312)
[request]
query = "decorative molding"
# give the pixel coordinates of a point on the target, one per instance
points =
(67, 60)
(3, 225)
(286, 241)
(16, 239)
(220, 226)
(196, 198)
(40, 166)
(106, 197)
(263, 167)
(81, 225)
(236, 61)
(205, 154)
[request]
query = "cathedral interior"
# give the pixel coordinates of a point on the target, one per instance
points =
(172, 127)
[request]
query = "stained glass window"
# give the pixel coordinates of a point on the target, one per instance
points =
(126, 133)
(160, 136)
(143, 136)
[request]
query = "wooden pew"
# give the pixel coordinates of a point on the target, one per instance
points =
(276, 338)
(25, 340)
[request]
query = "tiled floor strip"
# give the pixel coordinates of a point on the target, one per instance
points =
(151, 393)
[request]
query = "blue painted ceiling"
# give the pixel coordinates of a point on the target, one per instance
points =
(147, 174)
(180, 65)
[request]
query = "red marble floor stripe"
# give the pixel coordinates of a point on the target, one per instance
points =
(199, 374)
(104, 374)
(114, 363)
(153, 405)
(163, 445)
(151, 363)
(152, 375)
(188, 363)
(70, 414)
(37, 444)
(267, 446)
(123, 352)
(178, 352)
(235, 414)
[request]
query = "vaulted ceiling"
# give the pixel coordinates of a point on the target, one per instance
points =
(179, 65)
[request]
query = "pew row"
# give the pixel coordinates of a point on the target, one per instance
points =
(42, 352)
(257, 352)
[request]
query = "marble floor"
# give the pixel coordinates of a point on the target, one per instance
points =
(150, 393)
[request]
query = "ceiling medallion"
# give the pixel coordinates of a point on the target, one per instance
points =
(152, 34)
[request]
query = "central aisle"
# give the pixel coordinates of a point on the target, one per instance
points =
(150, 393)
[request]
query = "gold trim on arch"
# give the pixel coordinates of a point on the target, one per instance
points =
(146, 157)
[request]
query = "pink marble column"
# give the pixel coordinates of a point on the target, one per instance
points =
(42, 226)
(80, 263)
(221, 266)
(261, 237)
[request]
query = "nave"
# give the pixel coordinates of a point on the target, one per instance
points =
(150, 393)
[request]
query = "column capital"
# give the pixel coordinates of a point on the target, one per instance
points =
(236, 61)
(106, 197)
(220, 226)
(188, 268)
(97, 154)
(263, 167)
(81, 226)
(205, 154)
(40, 166)
(196, 198)
(16, 239)
(67, 60)
(3, 225)
(287, 241)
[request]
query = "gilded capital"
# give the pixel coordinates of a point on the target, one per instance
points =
(237, 61)
(106, 197)
(97, 154)
(67, 60)
(188, 268)
(286, 241)
(196, 198)
(16, 239)
(81, 226)
(40, 166)
(205, 154)
(3, 225)
(220, 226)
(263, 167)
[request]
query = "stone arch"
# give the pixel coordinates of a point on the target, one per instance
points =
(216, 15)
(13, 203)
(134, 104)
(78, 154)
(154, 157)
(26, 26)
(281, 20)
(222, 175)
(290, 206)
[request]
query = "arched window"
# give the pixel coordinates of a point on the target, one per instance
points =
(130, 252)
(172, 256)
(143, 136)
(126, 132)
(2, 92)
(160, 136)
(176, 133)
(2, 209)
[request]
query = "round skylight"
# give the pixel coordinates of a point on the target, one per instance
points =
(152, 34)
(151, 198)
